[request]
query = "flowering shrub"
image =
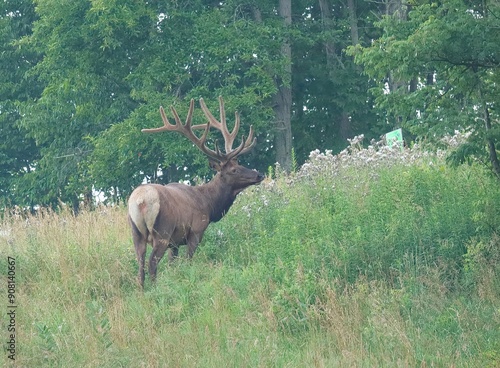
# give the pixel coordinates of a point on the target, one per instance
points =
(377, 155)
(356, 157)
(457, 139)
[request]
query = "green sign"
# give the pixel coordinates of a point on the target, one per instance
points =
(394, 137)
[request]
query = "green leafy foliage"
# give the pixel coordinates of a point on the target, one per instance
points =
(84, 92)
(18, 153)
(81, 78)
(436, 70)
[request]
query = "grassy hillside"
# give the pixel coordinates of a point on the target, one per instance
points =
(369, 258)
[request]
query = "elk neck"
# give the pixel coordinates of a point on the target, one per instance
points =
(220, 196)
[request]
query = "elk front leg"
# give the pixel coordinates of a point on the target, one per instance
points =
(159, 248)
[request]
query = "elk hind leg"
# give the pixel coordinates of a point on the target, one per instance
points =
(159, 248)
(140, 245)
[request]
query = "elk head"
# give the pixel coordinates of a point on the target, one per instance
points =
(176, 214)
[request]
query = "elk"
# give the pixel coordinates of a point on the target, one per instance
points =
(168, 216)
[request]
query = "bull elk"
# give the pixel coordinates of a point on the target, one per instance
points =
(175, 214)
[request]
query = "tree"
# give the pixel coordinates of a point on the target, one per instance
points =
(88, 51)
(18, 153)
(451, 50)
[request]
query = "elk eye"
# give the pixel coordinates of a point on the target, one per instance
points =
(234, 170)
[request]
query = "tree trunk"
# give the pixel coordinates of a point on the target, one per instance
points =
(283, 98)
(326, 19)
(345, 130)
(495, 163)
(399, 10)
(353, 22)
(490, 142)
(333, 62)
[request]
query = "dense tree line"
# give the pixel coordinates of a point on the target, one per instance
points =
(80, 78)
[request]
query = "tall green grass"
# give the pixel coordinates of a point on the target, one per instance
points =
(358, 265)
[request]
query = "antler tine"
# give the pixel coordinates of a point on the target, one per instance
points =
(178, 126)
(166, 124)
(189, 116)
(250, 142)
(222, 124)
(232, 135)
(228, 137)
(215, 123)
(245, 145)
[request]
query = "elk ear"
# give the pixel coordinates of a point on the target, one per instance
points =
(215, 165)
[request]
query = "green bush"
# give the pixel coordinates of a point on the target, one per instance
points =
(353, 224)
